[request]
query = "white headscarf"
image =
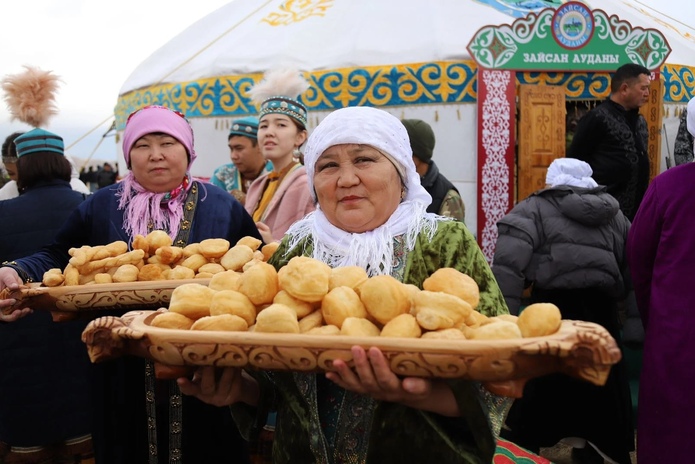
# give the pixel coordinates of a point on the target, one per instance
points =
(570, 171)
(372, 250)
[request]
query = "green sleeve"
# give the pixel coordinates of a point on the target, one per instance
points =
(454, 246)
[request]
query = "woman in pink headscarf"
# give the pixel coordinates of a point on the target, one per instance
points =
(158, 193)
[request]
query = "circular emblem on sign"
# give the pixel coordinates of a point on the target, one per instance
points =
(573, 25)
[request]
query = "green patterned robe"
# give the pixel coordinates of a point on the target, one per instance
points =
(366, 431)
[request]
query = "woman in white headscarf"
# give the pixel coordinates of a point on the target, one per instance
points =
(568, 241)
(371, 213)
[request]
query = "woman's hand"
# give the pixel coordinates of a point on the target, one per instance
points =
(221, 387)
(372, 376)
(265, 232)
(9, 279)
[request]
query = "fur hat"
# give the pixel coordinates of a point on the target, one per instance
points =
(246, 127)
(279, 92)
(421, 138)
(30, 97)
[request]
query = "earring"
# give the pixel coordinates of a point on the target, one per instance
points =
(296, 153)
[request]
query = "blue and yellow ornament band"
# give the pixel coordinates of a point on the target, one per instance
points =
(439, 82)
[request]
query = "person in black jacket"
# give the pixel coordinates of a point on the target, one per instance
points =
(45, 402)
(612, 138)
(446, 200)
(568, 242)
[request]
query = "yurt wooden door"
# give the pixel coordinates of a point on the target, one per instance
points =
(541, 135)
(653, 112)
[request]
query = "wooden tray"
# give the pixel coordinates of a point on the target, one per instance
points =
(582, 349)
(96, 297)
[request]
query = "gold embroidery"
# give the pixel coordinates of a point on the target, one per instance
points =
(294, 11)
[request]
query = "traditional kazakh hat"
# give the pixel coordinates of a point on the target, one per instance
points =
(247, 127)
(30, 98)
(279, 92)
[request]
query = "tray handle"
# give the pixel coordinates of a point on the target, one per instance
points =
(111, 337)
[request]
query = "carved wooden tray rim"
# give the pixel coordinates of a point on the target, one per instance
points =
(96, 296)
(582, 349)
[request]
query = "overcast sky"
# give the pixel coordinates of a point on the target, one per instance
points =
(93, 45)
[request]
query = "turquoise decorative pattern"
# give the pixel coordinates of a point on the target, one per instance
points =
(384, 86)
(393, 85)
(679, 83)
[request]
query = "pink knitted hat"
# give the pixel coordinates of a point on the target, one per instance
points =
(157, 119)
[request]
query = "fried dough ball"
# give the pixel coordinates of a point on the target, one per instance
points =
(259, 283)
(169, 254)
(253, 262)
(302, 308)
(140, 243)
(310, 321)
(192, 300)
(445, 334)
(157, 239)
(224, 322)
(180, 273)
(500, 330)
(169, 320)
(384, 298)
(235, 258)
(403, 326)
(233, 302)
(277, 318)
(203, 275)
(475, 319)
(72, 275)
(346, 276)
(53, 277)
(191, 249)
(436, 310)
(214, 248)
(359, 327)
(412, 291)
(324, 330)
(453, 282)
(150, 272)
(212, 268)
(227, 280)
(126, 273)
(251, 242)
(341, 303)
(194, 262)
(504, 317)
(305, 278)
(269, 249)
(103, 278)
(539, 320)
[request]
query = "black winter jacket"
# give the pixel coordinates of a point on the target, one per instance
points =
(561, 238)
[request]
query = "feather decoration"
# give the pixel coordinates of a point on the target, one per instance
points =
(279, 83)
(30, 95)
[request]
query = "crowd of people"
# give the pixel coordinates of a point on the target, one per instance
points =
(362, 189)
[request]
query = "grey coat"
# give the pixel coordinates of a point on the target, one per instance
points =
(561, 238)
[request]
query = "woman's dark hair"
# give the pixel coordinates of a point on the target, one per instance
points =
(41, 166)
(9, 150)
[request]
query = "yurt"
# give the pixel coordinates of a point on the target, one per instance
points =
(418, 60)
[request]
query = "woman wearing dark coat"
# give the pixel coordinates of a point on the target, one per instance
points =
(568, 242)
(138, 419)
(45, 396)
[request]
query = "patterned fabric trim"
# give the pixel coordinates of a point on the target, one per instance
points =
(175, 400)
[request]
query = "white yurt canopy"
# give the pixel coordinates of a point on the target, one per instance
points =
(386, 53)
(250, 36)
